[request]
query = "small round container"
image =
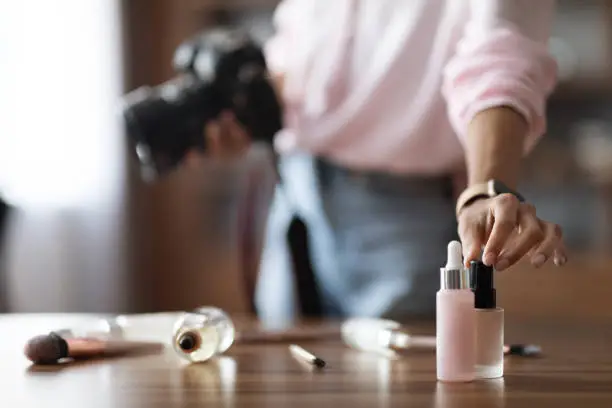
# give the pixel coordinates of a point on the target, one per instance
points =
(202, 334)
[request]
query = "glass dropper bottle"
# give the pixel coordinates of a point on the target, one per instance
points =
(203, 333)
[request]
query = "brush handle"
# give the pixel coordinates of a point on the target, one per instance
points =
(422, 342)
(80, 348)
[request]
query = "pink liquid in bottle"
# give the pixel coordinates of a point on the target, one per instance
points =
(455, 321)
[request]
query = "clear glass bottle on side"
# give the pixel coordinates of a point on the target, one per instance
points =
(455, 321)
(202, 334)
(489, 323)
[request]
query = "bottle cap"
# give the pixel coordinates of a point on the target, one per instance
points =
(482, 282)
(454, 255)
(454, 275)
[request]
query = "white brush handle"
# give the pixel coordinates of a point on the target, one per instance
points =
(367, 334)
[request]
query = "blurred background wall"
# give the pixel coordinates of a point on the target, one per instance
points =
(61, 165)
(87, 235)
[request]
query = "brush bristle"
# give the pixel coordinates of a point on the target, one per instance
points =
(45, 349)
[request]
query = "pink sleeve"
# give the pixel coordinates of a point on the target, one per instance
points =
(503, 60)
(277, 48)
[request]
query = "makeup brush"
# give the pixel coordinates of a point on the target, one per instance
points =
(52, 348)
(388, 337)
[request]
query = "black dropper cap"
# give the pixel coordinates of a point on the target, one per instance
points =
(483, 285)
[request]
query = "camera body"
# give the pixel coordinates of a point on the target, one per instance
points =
(221, 69)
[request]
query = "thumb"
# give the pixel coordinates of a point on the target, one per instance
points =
(473, 239)
(192, 159)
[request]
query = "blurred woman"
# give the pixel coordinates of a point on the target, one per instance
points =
(405, 123)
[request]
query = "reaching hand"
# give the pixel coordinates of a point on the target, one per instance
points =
(508, 230)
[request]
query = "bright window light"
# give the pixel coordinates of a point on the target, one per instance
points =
(60, 79)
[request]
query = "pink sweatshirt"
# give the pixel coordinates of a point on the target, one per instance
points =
(391, 85)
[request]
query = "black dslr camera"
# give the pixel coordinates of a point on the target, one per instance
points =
(223, 69)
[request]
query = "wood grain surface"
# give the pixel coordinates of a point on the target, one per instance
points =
(574, 371)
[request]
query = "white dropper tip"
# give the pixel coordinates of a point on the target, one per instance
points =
(454, 255)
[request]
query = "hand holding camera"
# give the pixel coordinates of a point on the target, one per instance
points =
(221, 100)
(225, 139)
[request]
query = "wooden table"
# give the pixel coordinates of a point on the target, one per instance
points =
(575, 371)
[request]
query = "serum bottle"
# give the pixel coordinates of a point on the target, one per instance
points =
(202, 334)
(455, 320)
(489, 323)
